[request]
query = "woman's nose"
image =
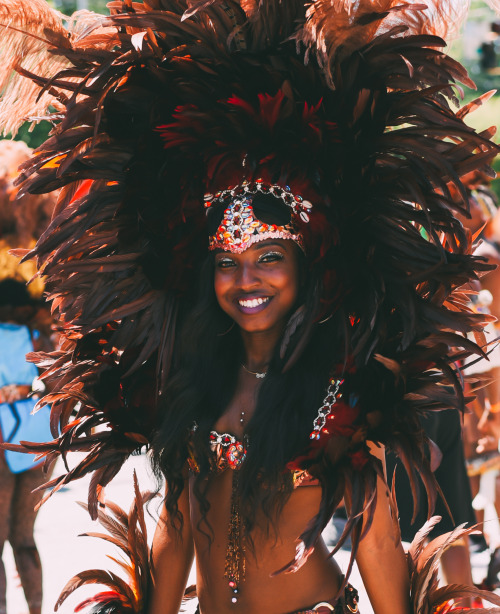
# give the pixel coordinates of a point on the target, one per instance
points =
(248, 277)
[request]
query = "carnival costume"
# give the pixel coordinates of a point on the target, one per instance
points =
(341, 112)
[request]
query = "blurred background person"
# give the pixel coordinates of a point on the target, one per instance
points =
(482, 426)
(25, 325)
(445, 428)
(481, 447)
(488, 56)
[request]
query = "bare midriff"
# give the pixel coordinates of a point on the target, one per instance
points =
(317, 580)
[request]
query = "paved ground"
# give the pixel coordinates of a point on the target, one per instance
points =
(63, 553)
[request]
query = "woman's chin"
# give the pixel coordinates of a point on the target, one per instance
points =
(260, 327)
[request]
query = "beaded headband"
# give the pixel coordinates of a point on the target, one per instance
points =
(240, 228)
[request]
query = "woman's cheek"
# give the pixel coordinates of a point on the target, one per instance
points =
(222, 284)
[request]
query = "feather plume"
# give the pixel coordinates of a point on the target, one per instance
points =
(339, 29)
(32, 32)
(128, 533)
(423, 565)
(495, 5)
(38, 44)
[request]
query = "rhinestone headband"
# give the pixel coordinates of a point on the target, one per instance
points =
(240, 228)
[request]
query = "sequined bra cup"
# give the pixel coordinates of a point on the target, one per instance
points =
(227, 452)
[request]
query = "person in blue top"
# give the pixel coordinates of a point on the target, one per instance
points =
(19, 474)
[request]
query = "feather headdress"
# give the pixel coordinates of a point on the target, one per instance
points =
(352, 104)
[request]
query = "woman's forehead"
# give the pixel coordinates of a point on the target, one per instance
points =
(285, 244)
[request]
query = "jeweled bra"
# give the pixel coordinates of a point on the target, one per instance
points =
(230, 452)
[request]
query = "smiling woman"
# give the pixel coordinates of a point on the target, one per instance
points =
(252, 422)
(258, 273)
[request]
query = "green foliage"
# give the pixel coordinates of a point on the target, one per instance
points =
(36, 137)
(495, 185)
(70, 6)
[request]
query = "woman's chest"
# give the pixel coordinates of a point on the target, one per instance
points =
(240, 410)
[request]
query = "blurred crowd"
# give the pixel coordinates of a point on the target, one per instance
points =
(489, 49)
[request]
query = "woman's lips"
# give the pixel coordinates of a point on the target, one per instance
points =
(253, 305)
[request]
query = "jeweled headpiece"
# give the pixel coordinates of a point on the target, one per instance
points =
(240, 227)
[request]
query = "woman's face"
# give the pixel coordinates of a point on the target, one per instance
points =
(259, 287)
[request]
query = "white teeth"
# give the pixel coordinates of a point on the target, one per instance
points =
(254, 302)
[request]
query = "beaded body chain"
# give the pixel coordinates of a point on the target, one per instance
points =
(234, 568)
(231, 453)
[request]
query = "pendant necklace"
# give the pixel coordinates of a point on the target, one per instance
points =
(255, 373)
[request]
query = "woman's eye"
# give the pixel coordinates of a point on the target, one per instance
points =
(271, 257)
(224, 263)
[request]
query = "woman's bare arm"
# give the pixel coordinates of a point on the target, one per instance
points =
(381, 558)
(172, 556)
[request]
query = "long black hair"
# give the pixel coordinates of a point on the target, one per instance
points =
(208, 359)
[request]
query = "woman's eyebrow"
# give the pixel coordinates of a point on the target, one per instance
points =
(265, 245)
